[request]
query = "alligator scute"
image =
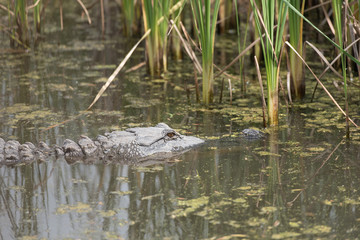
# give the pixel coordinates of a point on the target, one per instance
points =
(134, 144)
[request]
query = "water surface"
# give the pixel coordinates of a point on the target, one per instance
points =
(301, 181)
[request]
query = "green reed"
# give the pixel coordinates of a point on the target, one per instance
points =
(163, 30)
(20, 33)
(156, 42)
(271, 45)
(257, 47)
(241, 41)
(37, 17)
(336, 5)
(297, 84)
(21, 21)
(175, 40)
(128, 10)
(206, 25)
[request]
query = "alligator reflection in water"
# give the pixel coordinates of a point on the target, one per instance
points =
(132, 145)
(215, 191)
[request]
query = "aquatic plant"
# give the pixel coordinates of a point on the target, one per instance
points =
(255, 35)
(241, 41)
(297, 80)
(337, 46)
(21, 21)
(271, 45)
(206, 25)
(156, 42)
(174, 8)
(19, 18)
(337, 4)
(175, 40)
(128, 10)
(37, 17)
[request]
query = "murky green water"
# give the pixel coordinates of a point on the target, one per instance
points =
(300, 182)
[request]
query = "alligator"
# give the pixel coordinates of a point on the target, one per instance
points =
(134, 144)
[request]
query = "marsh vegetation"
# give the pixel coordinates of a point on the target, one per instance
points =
(192, 65)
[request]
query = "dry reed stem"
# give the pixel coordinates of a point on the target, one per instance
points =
(230, 91)
(316, 173)
(128, 55)
(221, 90)
(7, 10)
(61, 16)
(329, 65)
(32, 6)
(235, 60)
(136, 67)
(192, 54)
(117, 70)
(327, 18)
(66, 121)
(322, 85)
(355, 48)
(102, 18)
(288, 77)
(187, 48)
(317, 6)
(85, 10)
(288, 84)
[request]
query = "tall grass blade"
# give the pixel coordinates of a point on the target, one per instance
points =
(175, 40)
(22, 21)
(37, 19)
(205, 21)
(156, 43)
(257, 48)
(128, 7)
(188, 49)
(337, 4)
(271, 45)
(241, 41)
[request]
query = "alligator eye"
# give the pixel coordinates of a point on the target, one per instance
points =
(170, 134)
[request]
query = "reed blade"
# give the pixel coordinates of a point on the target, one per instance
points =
(205, 18)
(271, 45)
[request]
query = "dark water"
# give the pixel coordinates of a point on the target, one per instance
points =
(301, 181)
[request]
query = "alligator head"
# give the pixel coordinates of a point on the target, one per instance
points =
(161, 141)
(133, 144)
